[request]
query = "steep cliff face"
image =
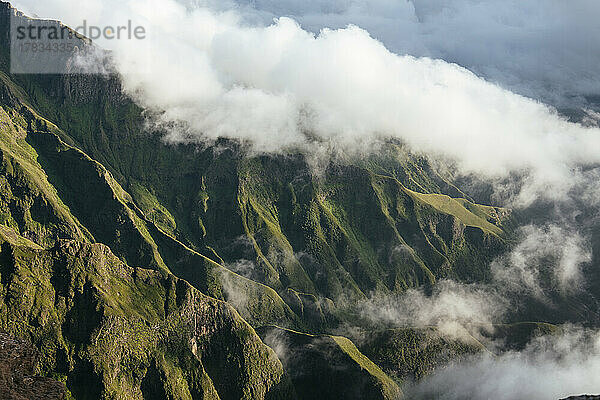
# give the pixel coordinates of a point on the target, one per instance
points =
(109, 330)
(52, 190)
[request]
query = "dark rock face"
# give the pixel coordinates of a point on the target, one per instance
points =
(18, 360)
(583, 397)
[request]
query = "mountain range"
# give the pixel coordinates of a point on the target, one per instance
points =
(133, 268)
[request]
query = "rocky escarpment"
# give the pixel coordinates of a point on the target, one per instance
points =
(109, 330)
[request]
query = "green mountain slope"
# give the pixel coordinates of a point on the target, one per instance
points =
(120, 332)
(328, 367)
(382, 224)
(314, 233)
(173, 254)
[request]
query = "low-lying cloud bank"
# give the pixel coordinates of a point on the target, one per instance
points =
(215, 69)
(550, 255)
(543, 270)
(551, 367)
(452, 308)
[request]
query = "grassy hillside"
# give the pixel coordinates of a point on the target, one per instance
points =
(328, 367)
(110, 330)
(314, 233)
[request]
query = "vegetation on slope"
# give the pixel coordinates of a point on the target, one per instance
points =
(328, 367)
(113, 331)
(408, 354)
(314, 233)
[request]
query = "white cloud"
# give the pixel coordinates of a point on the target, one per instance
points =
(551, 367)
(539, 48)
(276, 87)
(452, 308)
(554, 249)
